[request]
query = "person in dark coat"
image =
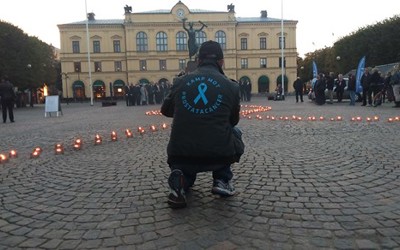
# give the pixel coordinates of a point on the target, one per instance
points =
(8, 98)
(205, 107)
(387, 89)
(352, 89)
(127, 99)
(242, 91)
(248, 90)
(158, 93)
(150, 93)
(365, 83)
(375, 83)
(298, 87)
(320, 87)
(132, 99)
(330, 84)
(340, 84)
(136, 94)
(395, 82)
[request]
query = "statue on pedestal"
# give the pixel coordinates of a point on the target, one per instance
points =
(193, 47)
(231, 8)
(128, 9)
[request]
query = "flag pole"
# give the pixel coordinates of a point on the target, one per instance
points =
(88, 55)
(282, 54)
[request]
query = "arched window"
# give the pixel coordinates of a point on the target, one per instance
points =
(263, 84)
(220, 37)
(141, 41)
(181, 41)
(161, 41)
(285, 81)
(201, 37)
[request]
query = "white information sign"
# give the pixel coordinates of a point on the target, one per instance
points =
(52, 104)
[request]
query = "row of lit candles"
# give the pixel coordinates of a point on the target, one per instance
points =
(321, 118)
(12, 154)
(253, 109)
(77, 145)
(253, 106)
(153, 112)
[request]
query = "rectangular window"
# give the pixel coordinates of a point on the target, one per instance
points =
(181, 41)
(244, 63)
(282, 39)
(96, 47)
(243, 43)
(97, 66)
(143, 65)
(163, 64)
(182, 64)
(77, 66)
(280, 62)
(263, 62)
(263, 43)
(141, 42)
(75, 47)
(117, 46)
(117, 66)
(161, 41)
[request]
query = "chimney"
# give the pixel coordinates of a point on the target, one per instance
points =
(264, 14)
(90, 16)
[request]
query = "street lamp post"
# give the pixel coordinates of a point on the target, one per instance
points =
(300, 73)
(338, 64)
(29, 66)
(88, 55)
(282, 55)
(66, 85)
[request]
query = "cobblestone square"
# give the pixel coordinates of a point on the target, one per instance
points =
(303, 184)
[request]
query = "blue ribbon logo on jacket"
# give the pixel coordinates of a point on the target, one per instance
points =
(201, 95)
(202, 89)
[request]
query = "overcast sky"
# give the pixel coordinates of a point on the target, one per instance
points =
(320, 22)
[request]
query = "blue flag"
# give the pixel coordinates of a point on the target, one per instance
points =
(360, 71)
(314, 69)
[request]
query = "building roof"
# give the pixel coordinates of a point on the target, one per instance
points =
(259, 19)
(167, 11)
(100, 21)
(121, 21)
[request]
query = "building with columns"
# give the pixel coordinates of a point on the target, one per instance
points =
(152, 46)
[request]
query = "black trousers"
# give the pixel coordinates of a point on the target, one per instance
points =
(7, 105)
(339, 94)
(219, 172)
(366, 95)
(299, 93)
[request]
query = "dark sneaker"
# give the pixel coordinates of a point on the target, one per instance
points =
(176, 197)
(223, 188)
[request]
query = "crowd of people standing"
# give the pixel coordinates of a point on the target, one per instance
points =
(146, 94)
(245, 91)
(376, 88)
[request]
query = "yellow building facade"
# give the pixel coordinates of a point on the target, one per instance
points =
(152, 46)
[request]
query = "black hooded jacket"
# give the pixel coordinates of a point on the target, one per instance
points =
(205, 106)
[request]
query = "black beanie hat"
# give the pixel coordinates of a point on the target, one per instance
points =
(211, 50)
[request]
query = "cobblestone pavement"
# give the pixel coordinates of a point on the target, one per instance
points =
(302, 184)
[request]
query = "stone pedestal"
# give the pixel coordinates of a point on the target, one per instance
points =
(191, 66)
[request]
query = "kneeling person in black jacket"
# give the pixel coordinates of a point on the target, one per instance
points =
(205, 107)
